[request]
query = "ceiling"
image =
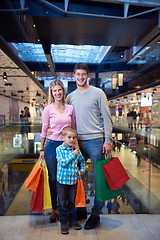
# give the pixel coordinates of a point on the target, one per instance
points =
(15, 82)
(126, 32)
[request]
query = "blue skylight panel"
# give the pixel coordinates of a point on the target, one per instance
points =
(78, 53)
(30, 52)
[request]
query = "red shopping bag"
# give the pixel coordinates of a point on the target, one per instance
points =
(80, 200)
(115, 173)
(34, 177)
(36, 202)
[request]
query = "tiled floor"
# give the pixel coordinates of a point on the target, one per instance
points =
(113, 227)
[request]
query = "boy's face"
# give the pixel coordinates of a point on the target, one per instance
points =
(81, 77)
(69, 139)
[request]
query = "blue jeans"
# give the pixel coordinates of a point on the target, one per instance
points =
(93, 149)
(66, 203)
(51, 162)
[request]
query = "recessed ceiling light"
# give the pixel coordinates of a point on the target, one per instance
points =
(8, 84)
(4, 76)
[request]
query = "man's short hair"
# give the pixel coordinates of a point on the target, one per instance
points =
(68, 129)
(82, 66)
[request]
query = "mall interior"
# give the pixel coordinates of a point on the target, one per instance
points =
(42, 40)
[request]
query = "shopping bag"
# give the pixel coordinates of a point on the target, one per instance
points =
(34, 177)
(103, 192)
(80, 200)
(46, 195)
(36, 202)
(115, 173)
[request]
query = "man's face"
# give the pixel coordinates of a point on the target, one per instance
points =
(81, 77)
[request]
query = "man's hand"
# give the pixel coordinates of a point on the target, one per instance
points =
(49, 132)
(107, 148)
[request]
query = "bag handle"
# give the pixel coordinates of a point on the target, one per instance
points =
(79, 176)
(108, 157)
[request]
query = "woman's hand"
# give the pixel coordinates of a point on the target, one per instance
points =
(41, 157)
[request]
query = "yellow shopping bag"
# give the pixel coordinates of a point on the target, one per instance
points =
(46, 195)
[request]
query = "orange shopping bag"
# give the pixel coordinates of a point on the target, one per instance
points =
(80, 200)
(34, 177)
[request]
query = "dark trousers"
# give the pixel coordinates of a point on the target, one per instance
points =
(66, 203)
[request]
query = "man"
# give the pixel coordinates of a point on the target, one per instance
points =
(129, 119)
(133, 114)
(94, 126)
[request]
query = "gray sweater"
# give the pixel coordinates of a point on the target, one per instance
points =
(93, 119)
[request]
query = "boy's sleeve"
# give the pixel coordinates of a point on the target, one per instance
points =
(62, 159)
(82, 162)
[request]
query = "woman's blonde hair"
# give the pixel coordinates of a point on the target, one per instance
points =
(51, 86)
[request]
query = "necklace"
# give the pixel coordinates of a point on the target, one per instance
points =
(59, 108)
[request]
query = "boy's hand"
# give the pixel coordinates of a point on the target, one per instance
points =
(76, 146)
(80, 172)
(76, 151)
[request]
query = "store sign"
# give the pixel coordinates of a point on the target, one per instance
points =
(114, 81)
(17, 140)
(133, 142)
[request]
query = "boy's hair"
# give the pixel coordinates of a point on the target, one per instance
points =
(82, 66)
(68, 129)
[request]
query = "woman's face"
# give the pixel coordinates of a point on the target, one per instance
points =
(57, 93)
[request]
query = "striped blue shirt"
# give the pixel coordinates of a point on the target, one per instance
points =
(67, 166)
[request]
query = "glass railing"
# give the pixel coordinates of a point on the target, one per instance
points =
(139, 153)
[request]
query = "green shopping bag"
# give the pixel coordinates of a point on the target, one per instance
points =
(103, 191)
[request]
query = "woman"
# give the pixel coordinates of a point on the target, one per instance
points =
(25, 124)
(55, 117)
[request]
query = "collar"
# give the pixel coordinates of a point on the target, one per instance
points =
(64, 147)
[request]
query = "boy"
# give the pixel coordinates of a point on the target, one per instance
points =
(68, 161)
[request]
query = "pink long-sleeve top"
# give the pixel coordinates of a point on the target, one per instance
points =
(54, 121)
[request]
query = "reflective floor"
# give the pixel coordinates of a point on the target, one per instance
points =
(112, 227)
